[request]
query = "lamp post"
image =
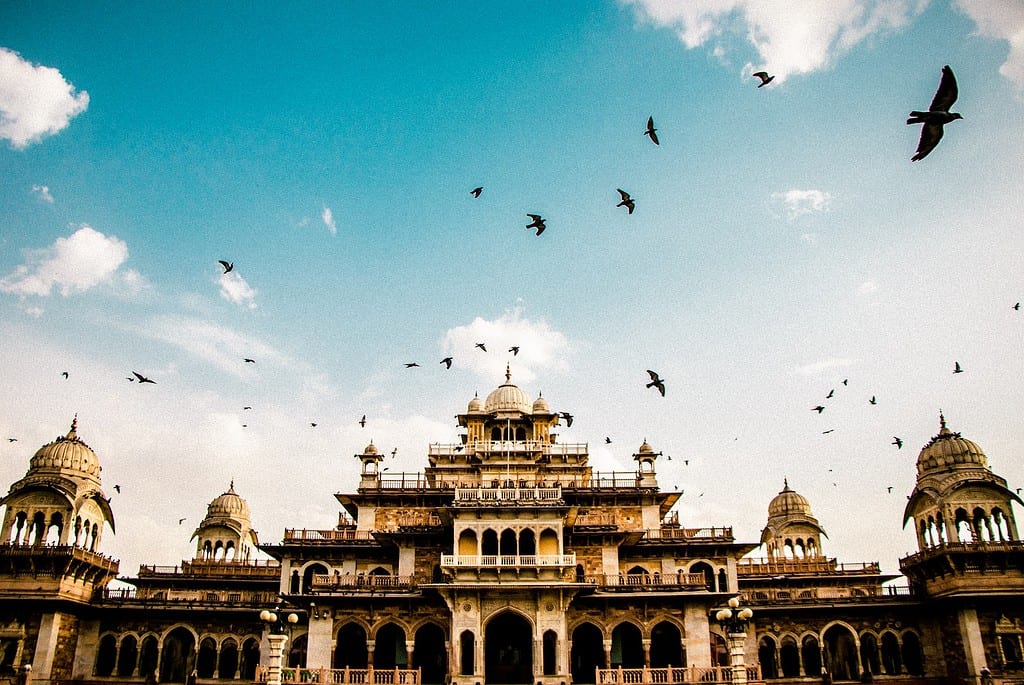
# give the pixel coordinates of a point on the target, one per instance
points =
(734, 622)
(277, 622)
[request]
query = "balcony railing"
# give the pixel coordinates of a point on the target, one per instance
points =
(813, 595)
(151, 597)
(504, 495)
(362, 583)
(345, 676)
(723, 534)
(644, 581)
(776, 567)
(262, 568)
(510, 561)
(334, 535)
(979, 547)
(673, 674)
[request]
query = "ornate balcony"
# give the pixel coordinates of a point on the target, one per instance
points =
(639, 582)
(347, 584)
(332, 536)
(508, 561)
(503, 496)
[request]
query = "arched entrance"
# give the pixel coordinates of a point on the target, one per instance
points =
(508, 650)
(177, 658)
(350, 649)
(389, 647)
(666, 646)
(587, 653)
(627, 646)
(429, 654)
(841, 654)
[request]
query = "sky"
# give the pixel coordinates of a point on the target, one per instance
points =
(783, 246)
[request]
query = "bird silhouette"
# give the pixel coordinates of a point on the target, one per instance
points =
(117, 488)
(481, 346)
(957, 368)
(538, 223)
(830, 394)
(247, 360)
(898, 442)
(1016, 307)
(514, 350)
(765, 78)
(65, 374)
(889, 489)
(228, 266)
(12, 440)
(651, 131)
(937, 116)
(568, 418)
(818, 409)
(872, 400)
(447, 361)
(656, 382)
(476, 191)
(626, 202)
(826, 433)
(362, 421)
(181, 521)
(246, 407)
(607, 440)
(409, 365)
(846, 381)
(312, 424)
(394, 453)
(143, 379)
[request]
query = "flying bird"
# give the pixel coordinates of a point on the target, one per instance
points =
(651, 131)
(409, 365)
(12, 440)
(362, 421)
(830, 394)
(246, 407)
(394, 453)
(937, 116)
(538, 223)
(312, 424)
(476, 191)
(897, 441)
(826, 433)
(568, 418)
(656, 382)
(247, 360)
(481, 346)
(117, 488)
(607, 440)
(846, 381)
(447, 361)
(765, 78)
(818, 409)
(889, 488)
(872, 400)
(956, 368)
(626, 202)
(514, 350)
(142, 379)
(65, 374)
(1016, 307)
(181, 521)
(228, 266)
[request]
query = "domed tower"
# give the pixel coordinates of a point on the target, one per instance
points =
(792, 531)
(370, 460)
(957, 498)
(59, 501)
(645, 458)
(226, 533)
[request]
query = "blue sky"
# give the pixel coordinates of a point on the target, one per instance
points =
(782, 242)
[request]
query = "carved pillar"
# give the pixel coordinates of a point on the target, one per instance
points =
(274, 658)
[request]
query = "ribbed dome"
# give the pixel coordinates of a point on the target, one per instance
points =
(948, 450)
(370, 449)
(540, 406)
(788, 502)
(67, 452)
(229, 505)
(476, 405)
(508, 397)
(645, 448)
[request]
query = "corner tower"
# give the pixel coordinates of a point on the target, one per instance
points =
(226, 533)
(792, 531)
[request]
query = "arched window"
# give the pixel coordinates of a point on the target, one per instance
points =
(467, 645)
(627, 646)
(489, 542)
(508, 544)
(206, 660)
(789, 657)
(307, 575)
(891, 661)
(106, 656)
(913, 657)
(176, 656)
(55, 528)
(351, 648)
(228, 662)
(297, 651)
(667, 646)
(527, 543)
(148, 654)
(587, 653)
(550, 647)
(389, 647)
(467, 543)
(841, 652)
(709, 574)
(723, 580)
(430, 654)
(127, 656)
(250, 659)
(869, 658)
(767, 657)
(810, 652)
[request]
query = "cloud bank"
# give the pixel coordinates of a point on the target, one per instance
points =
(35, 101)
(540, 346)
(236, 290)
(74, 264)
(1001, 20)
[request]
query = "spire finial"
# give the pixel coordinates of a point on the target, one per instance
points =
(785, 483)
(942, 420)
(73, 433)
(231, 486)
(508, 373)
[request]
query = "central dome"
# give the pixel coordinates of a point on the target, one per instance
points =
(788, 502)
(508, 397)
(67, 452)
(229, 505)
(948, 450)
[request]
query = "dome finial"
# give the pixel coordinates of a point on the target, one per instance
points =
(73, 433)
(942, 421)
(785, 483)
(231, 485)
(508, 373)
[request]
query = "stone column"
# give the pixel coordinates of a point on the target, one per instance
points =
(274, 658)
(647, 652)
(737, 658)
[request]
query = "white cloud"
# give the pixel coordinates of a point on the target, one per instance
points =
(540, 346)
(1002, 20)
(73, 264)
(35, 101)
(43, 193)
(328, 218)
(236, 290)
(795, 37)
(800, 202)
(219, 345)
(823, 365)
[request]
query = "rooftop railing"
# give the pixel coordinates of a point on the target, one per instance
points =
(981, 546)
(362, 583)
(509, 447)
(814, 595)
(330, 536)
(210, 568)
(777, 567)
(722, 534)
(177, 598)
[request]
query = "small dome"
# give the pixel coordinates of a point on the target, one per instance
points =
(67, 452)
(540, 406)
(370, 449)
(508, 397)
(948, 450)
(476, 405)
(229, 505)
(645, 448)
(788, 502)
